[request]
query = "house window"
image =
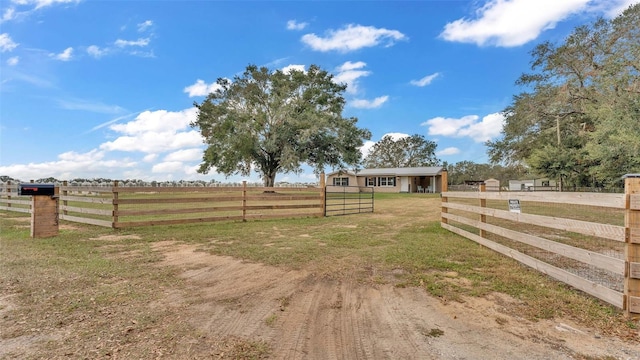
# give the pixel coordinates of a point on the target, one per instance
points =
(387, 181)
(341, 181)
(545, 183)
(371, 181)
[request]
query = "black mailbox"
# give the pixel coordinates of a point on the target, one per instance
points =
(36, 189)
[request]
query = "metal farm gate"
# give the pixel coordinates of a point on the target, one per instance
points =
(347, 200)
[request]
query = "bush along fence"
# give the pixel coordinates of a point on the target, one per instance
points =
(121, 207)
(590, 241)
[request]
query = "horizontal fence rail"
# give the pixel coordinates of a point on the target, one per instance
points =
(587, 240)
(131, 206)
(10, 201)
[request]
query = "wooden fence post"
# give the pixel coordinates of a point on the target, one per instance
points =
(65, 192)
(632, 245)
(114, 223)
(323, 194)
(244, 200)
(483, 204)
(8, 193)
(443, 190)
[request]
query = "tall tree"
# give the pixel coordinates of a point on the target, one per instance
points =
(579, 120)
(614, 144)
(275, 121)
(409, 151)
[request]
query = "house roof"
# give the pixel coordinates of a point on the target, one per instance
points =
(409, 171)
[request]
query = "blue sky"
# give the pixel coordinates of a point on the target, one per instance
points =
(106, 88)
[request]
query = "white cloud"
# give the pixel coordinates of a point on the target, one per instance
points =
(156, 132)
(467, 126)
(87, 105)
(287, 69)
(365, 149)
(425, 80)
(141, 42)
(194, 154)
(200, 88)
(69, 165)
(143, 26)
(150, 157)
(96, 51)
(8, 14)
(349, 73)
(369, 104)
(395, 136)
(28, 7)
(294, 25)
(157, 121)
(43, 3)
(448, 151)
(511, 22)
(353, 37)
(13, 61)
(611, 8)
(168, 167)
(6, 43)
(63, 56)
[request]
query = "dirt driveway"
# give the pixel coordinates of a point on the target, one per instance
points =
(301, 316)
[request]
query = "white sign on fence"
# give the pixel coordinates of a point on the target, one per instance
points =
(514, 205)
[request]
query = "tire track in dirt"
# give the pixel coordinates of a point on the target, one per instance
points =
(301, 323)
(302, 316)
(231, 297)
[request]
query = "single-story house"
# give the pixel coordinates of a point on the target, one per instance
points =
(532, 185)
(426, 179)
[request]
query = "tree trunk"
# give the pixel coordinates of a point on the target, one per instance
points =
(269, 178)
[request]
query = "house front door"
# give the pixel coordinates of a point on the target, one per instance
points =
(404, 184)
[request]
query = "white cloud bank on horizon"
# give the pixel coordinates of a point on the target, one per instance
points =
(508, 23)
(467, 126)
(353, 37)
(70, 165)
(151, 133)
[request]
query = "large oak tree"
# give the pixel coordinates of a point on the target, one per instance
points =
(408, 151)
(275, 121)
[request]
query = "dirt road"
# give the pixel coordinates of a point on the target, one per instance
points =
(301, 316)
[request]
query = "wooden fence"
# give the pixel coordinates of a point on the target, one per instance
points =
(590, 241)
(121, 207)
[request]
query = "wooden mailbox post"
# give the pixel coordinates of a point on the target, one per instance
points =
(44, 208)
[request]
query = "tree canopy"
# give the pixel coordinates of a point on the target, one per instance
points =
(579, 121)
(275, 121)
(410, 151)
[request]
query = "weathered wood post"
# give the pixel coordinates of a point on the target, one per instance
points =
(323, 194)
(65, 193)
(483, 204)
(632, 245)
(8, 193)
(443, 190)
(114, 203)
(244, 200)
